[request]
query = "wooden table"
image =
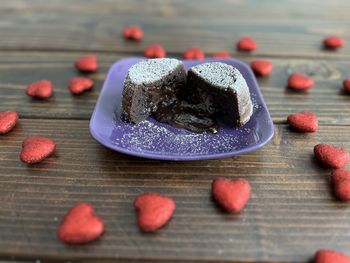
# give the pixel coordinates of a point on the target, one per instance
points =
(292, 212)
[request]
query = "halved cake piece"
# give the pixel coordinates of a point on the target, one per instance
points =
(150, 85)
(223, 90)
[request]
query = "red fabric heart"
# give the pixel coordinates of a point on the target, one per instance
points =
(261, 67)
(221, 54)
(298, 81)
(232, 195)
(87, 64)
(332, 156)
(346, 84)
(333, 42)
(246, 44)
(305, 121)
(42, 89)
(78, 85)
(36, 148)
(194, 53)
(154, 51)
(8, 120)
(331, 256)
(133, 33)
(153, 211)
(80, 225)
(341, 184)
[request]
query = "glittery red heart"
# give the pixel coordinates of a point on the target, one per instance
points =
(194, 53)
(87, 64)
(261, 67)
(154, 51)
(80, 225)
(153, 211)
(341, 184)
(221, 54)
(78, 85)
(305, 121)
(331, 256)
(232, 195)
(346, 84)
(246, 44)
(42, 89)
(298, 81)
(8, 120)
(133, 33)
(36, 148)
(333, 42)
(332, 156)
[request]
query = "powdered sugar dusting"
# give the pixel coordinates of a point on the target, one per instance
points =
(150, 136)
(152, 70)
(153, 137)
(221, 75)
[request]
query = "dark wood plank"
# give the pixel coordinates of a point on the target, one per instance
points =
(291, 214)
(18, 69)
(235, 9)
(280, 28)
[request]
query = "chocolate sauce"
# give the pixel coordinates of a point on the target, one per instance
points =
(193, 117)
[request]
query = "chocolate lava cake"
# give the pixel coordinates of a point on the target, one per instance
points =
(152, 84)
(211, 92)
(223, 90)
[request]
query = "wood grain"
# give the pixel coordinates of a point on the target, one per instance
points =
(291, 213)
(18, 69)
(286, 28)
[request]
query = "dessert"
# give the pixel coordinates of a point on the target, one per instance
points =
(223, 91)
(210, 93)
(151, 85)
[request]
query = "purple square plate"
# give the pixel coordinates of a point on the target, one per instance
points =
(155, 140)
